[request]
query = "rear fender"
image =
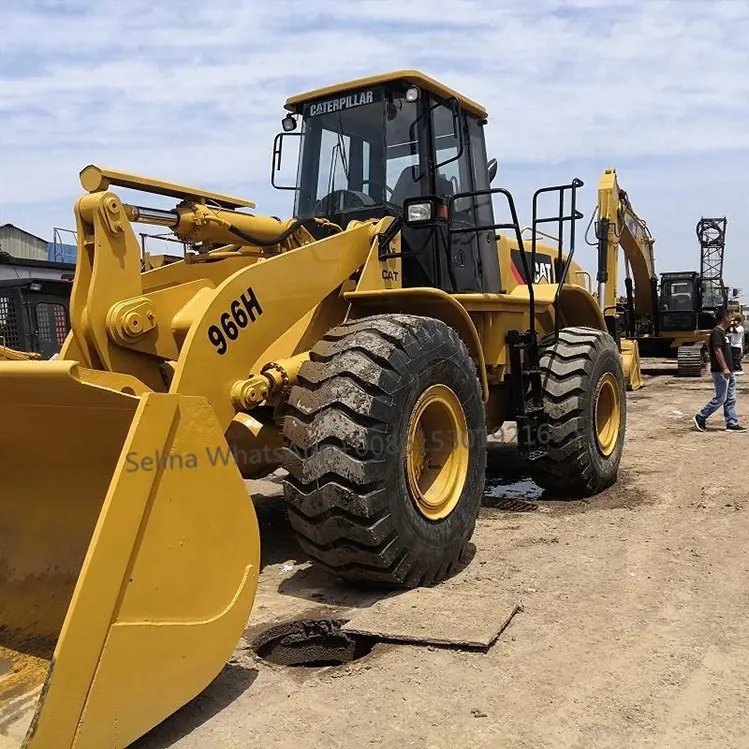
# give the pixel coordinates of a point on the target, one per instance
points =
(578, 308)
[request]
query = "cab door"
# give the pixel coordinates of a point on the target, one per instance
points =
(451, 176)
(461, 173)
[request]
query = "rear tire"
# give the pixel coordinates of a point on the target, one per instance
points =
(354, 495)
(585, 397)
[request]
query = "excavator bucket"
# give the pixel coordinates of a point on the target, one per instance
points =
(129, 555)
(631, 364)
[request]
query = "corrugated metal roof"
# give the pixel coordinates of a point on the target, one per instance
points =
(15, 228)
(22, 244)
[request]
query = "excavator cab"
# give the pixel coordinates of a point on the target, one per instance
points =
(367, 151)
(689, 303)
(679, 301)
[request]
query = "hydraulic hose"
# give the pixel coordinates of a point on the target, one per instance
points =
(298, 223)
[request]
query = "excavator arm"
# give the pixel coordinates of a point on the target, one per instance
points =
(619, 225)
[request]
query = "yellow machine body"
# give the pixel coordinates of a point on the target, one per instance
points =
(130, 552)
(115, 570)
(129, 547)
(9, 354)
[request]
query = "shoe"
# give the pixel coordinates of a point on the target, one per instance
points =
(737, 428)
(738, 372)
(699, 423)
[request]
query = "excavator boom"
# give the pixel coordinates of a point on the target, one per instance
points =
(619, 225)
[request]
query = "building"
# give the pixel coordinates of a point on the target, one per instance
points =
(24, 255)
(22, 244)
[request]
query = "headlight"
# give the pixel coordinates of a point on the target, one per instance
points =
(427, 210)
(418, 212)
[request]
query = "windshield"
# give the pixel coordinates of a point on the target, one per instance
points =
(358, 151)
(677, 296)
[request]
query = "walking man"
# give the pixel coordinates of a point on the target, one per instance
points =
(724, 380)
(736, 339)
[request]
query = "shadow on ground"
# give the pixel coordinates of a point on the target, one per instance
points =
(509, 489)
(277, 541)
(232, 682)
(318, 586)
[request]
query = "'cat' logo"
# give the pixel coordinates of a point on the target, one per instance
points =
(544, 268)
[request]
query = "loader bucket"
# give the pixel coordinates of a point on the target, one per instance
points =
(129, 554)
(631, 364)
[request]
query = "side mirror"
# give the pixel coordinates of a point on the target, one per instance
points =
(492, 167)
(457, 131)
(277, 157)
(419, 213)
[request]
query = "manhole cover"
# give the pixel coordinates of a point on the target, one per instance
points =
(316, 642)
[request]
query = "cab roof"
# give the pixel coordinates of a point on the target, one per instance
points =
(413, 77)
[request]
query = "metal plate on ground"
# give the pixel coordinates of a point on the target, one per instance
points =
(436, 616)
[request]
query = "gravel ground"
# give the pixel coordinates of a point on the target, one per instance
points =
(634, 630)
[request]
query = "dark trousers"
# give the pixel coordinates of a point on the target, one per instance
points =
(736, 355)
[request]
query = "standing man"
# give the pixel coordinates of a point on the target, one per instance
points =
(724, 380)
(736, 339)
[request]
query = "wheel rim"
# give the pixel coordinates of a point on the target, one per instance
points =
(607, 413)
(437, 452)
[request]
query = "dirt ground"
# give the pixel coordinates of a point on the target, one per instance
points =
(634, 630)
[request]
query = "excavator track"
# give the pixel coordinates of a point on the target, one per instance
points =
(690, 359)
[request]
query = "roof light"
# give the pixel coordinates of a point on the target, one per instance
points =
(288, 123)
(412, 94)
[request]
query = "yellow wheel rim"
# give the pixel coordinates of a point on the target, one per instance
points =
(437, 452)
(608, 413)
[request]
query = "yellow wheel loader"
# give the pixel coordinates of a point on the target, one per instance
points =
(367, 345)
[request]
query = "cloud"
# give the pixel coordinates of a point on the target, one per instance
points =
(193, 91)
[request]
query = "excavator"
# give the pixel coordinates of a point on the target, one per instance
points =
(367, 345)
(657, 317)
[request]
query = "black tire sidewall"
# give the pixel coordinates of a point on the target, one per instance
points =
(605, 466)
(457, 371)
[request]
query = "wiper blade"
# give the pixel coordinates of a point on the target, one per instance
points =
(342, 147)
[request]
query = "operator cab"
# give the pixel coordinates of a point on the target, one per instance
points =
(686, 303)
(369, 146)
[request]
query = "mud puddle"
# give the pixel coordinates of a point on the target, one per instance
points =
(512, 495)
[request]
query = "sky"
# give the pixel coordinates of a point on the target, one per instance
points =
(193, 92)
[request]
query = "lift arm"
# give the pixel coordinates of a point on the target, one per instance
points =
(619, 225)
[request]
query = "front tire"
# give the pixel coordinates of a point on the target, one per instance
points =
(386, 451)
(585, 397)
